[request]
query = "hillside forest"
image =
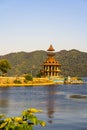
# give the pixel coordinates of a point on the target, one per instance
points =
(73, 62)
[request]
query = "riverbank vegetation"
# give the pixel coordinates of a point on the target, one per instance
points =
(4, 66)
(22, 81)
(26, 121)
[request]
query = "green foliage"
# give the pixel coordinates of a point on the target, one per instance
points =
(78, 78)
(2, 116)
(73, 62)
(28, 77)
(39, 75)
(17, 81)
(65, 80)
(4, 66)
(26, 121)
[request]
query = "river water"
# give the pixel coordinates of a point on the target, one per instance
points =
(59, 110)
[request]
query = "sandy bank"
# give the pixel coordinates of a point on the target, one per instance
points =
(10, 82)
(20, 81)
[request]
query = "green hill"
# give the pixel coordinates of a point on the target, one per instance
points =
(73, 62)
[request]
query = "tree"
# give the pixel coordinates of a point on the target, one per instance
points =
(4, 66)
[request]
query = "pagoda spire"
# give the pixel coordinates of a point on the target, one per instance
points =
(51, 48)
(50, 51)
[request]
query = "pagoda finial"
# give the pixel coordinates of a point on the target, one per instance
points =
(51, 48)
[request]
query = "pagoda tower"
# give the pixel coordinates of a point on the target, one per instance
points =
(51, 65)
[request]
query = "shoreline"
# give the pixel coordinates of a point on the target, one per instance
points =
(36, 84)
(9, 82)
(25, 85)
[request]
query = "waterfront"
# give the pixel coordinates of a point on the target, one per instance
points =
(59, 111)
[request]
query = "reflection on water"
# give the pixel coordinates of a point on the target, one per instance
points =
(4, 103)
(50, 102)
(4, 100)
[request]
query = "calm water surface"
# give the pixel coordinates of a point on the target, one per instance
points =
(60, 112)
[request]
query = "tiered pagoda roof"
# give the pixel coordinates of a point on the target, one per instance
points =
(51, 61)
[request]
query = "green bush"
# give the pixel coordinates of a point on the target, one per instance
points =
(79, 79)
(39, 75)
(28, 77)
(26, 121)
(16, 81)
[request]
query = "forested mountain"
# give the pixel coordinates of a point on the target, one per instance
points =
(73, 62)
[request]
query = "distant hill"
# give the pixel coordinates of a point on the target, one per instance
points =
(73, 62)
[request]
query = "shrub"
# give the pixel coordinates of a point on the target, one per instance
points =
(39, 75)
(28, 77)
(26, 121)
(17, 81)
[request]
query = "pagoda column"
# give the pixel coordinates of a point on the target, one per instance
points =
(48, 71)
(51, 71)
(54, 70)
(55, 73)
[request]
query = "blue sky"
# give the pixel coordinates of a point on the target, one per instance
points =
(29, 25)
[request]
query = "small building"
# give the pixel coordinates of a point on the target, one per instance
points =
(51, 67)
